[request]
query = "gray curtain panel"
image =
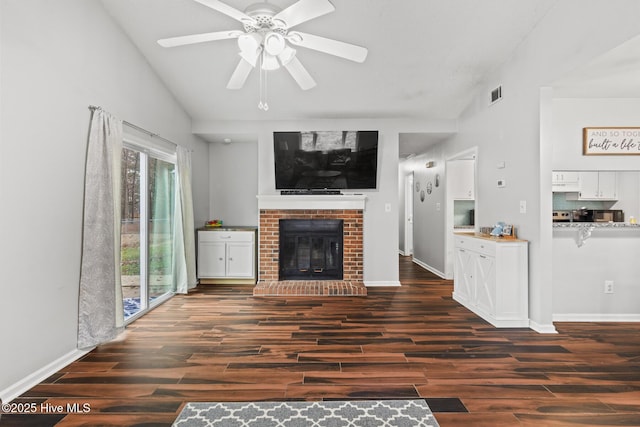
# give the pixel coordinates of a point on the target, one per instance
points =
(100, 313)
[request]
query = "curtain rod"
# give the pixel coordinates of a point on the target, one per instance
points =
(151, 134)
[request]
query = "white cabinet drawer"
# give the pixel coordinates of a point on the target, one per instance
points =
(225, 236)
(484, 247)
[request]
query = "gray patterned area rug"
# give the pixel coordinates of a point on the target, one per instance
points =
(357, 413)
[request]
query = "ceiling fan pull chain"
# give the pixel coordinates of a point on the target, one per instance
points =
(266, 106)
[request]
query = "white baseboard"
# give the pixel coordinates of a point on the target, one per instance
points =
(542, 329)
(373, 284)
(15, 390)
(428, 267)
(596, 317)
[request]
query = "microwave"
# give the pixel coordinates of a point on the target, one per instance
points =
(610, 215)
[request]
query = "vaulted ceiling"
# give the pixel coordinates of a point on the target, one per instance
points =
(426, 59)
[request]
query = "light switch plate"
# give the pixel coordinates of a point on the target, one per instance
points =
(523, 206)
(387, 207)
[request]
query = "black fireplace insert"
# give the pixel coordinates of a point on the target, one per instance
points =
(311, 249)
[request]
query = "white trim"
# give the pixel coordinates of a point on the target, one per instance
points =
(401, 252)
(542, 329)
(150, 147)
(339, 201)
(429, 268)
(381, 283)
(596, 317)
(15, 390)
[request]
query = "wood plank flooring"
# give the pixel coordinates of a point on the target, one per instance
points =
(222, 344)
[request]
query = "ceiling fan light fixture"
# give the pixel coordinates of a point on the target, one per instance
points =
(269, 62)
(287, 55)
(274, 43)
(248, 43)
(251, 57)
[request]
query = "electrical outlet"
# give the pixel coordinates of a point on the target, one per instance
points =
(608, 286)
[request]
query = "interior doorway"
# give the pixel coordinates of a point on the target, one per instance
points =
(408, 215)
(461, 185)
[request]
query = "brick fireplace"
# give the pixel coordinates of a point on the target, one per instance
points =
(349, 209)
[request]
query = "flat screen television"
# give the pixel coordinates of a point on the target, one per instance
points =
(336, 160)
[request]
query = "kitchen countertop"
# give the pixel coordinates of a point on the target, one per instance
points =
(594, 225)
(583, 230)
(503, 239)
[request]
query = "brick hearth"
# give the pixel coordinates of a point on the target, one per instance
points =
(352, 283)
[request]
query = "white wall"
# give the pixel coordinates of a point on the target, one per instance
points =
(607, 255)
(233, 176)
(509, 130)
(579, 274)
(570, 115)
(380, 227)
(56, 59)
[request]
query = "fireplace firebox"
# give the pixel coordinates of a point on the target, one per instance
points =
(311, 249)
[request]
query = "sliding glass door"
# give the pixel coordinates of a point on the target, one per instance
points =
(147, 207)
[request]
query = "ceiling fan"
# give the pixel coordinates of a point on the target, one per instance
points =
(267, 38)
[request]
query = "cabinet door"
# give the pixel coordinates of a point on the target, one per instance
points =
(486, 283)
(211, 259)
(463, 285)
(240, 259)
(589, 185)
(565, 181)
(607, 188)
(461, 179)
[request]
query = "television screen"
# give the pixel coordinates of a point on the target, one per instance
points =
(326, 160)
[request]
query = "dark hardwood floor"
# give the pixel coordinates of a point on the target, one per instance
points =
(222, 344)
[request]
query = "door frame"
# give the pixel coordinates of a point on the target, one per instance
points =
(449, 255)
(408, 214)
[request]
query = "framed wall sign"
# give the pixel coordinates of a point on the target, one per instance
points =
(611, 141)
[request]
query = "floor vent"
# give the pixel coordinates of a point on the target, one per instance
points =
(496, 95)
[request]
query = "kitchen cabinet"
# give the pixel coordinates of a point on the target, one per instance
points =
(595, 185)
(226, 256)
(565, 181)
(491, 278)
(462, 182)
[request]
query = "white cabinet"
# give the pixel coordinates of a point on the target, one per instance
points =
(491, 279)
(461, 180)
(226, 256)
(565, 181)
(598, 186)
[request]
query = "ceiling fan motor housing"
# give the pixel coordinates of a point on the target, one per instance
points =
(262, 14)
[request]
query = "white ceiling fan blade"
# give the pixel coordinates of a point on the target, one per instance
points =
(303, 11)
(300, 74)
(227, 10)
(332, 47)
(240, 75)
(199, 38)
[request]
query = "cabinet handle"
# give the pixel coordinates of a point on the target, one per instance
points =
(225, 237)
(230, 259)
(482, 256)
(220, 259)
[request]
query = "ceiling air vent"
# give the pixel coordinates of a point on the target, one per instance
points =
(496, 95)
